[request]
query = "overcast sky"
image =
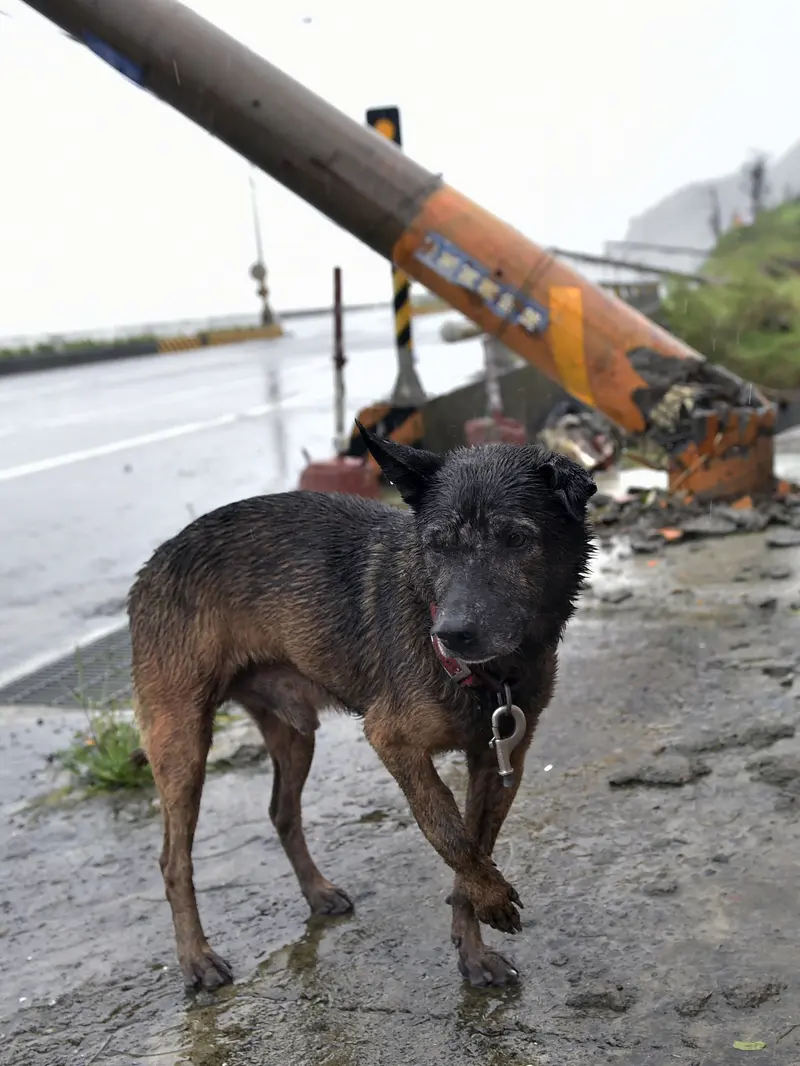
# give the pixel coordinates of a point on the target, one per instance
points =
(564, 118)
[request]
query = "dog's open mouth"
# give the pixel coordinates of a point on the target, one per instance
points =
(469, 660)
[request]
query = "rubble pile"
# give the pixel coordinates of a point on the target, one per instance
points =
(653, 517)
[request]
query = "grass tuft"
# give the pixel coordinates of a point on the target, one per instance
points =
(103, 757)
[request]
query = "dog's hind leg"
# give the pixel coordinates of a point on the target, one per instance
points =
(177, 736)
(274, 699)
(487, 804)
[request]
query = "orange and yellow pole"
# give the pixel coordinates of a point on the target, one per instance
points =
(717, 428)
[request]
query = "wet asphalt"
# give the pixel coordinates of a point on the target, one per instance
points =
(99, 464)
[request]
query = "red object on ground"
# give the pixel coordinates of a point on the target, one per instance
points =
(343, 473)
(497, 429)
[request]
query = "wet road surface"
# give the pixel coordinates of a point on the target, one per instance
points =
(661, 922)
(99, 464)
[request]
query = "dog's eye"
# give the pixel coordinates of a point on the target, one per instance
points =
(516, 539)
(439, 543)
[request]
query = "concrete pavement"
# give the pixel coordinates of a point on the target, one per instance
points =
(661, 919)
(98, 464)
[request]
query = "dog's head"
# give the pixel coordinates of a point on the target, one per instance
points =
(502, 536)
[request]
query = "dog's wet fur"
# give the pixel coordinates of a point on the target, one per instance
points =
(298, 602)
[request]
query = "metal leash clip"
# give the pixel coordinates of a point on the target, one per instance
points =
(503, 746)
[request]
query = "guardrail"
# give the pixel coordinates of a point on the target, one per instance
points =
(53, 358)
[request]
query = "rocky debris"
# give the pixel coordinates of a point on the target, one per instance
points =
(664, 886)
(237, 746)
(648, 543)
(747, 995)
(745, 656)
(751, 994)
(241, 757)
(764, 603)
(775, 573)
(581, 433)
(784, 538)
(615, 596)
(779, 669)
(670, 769)
(708, 525)
(661, 843)
(671, 517)
(781, 771)
(617, 1000)
(693, 1004)
(758, 736)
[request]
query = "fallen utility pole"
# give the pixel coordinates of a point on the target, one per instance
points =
(716, 428)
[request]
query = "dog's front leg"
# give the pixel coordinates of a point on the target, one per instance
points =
(487, 804)
(436, 813)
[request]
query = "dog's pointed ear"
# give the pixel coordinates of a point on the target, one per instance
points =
(410, 470)
(572, 484)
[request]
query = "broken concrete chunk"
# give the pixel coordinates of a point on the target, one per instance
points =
(616, 1000)
(759, 735)
(779, 669)
(781, 771)
(747, 520)
(709, 525)
(776, 573)
(244, 755)
(664, 886)
(693, 1004)
(784, 538)
(669, 770)
(645, 545)
(753, 994)
(615, 596)
(765, 603)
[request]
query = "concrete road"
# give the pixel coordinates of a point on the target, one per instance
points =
(98, 464)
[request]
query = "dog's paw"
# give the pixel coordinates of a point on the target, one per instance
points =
(206, 971)
(487, 969)
(328, 899)
(496, 906)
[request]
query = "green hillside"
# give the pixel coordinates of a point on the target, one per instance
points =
(748, 317)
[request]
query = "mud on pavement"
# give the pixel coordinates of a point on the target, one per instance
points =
(654, 844)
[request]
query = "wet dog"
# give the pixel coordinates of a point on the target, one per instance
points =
(423, 621)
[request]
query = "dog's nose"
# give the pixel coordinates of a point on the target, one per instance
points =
(459, 635)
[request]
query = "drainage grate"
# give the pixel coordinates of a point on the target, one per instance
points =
(94, 675)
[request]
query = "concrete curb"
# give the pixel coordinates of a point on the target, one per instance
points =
(51, 359)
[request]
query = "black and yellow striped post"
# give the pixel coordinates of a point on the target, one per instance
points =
(408, 388)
